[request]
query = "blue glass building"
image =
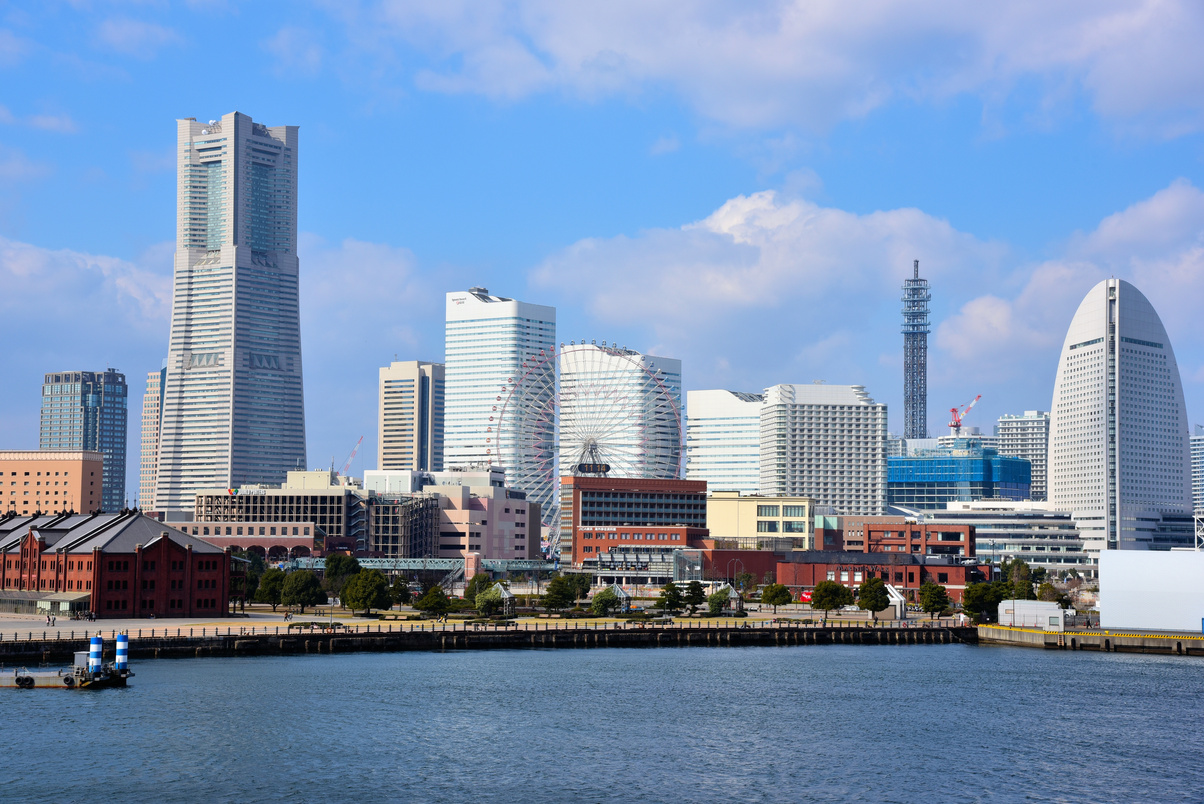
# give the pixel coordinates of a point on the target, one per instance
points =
(87, 410)
(964, 472)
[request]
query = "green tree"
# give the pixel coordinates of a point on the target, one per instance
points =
(716, 602)
(775, 594)
(301, 589)
(933, 598)
(400, 592)
(746, 581)
(695, 595)
(479, 583)
(338, 569)
(828, 595)
(1018, 574)
(488, 601)
(367, 590)
(435, 602)
(670, 598)
(581, 584)
(271, 586)
(872, 596)
(255, 571)
(982, 599)
(559, 594)
(605, 602)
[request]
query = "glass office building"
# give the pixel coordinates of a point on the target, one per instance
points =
(965, 473)
(88, 410)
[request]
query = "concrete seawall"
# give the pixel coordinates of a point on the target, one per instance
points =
(1172, 644)
(34, 649)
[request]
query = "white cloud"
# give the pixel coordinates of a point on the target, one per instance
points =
(60, 123)
(1157, 244)
(12, 48)
(297, 51)
(780, 289)
(808, 63)
(665, 145)
(16, 166)
(135, 37)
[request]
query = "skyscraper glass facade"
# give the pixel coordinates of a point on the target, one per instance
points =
(965, 473)
(87, 410)
(233, 410)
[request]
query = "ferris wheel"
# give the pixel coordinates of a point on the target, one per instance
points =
(591, 410)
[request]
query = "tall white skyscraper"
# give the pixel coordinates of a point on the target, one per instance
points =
(827, 442)
(410, 423)
(487, 340)
(1197, 469)
(1026, 436)
(1118, 437)
(622, 409)
(233, 411)
(723, 439)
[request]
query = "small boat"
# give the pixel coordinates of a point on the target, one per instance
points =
(88, 672)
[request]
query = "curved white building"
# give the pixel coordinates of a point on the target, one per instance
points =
(1118, 438)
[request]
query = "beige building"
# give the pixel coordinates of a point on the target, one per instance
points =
(759, 523)
(51, 482)
(410, 417)
(152, 416)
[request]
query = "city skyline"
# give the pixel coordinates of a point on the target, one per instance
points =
(605, 200)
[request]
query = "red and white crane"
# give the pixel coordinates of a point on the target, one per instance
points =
(958, 414)
(351, 457)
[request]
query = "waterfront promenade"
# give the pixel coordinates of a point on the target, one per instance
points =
(161, 639)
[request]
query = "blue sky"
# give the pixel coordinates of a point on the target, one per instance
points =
(740, 186)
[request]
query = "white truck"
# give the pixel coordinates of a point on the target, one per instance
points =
(1032, 614)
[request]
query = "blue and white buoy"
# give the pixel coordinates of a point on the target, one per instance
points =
(122, 660)
(95, 650)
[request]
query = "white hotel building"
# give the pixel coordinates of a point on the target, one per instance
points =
(1118, 442)
(723, 440)
(487, 339)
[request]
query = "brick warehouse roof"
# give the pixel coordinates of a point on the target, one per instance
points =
(111, 533)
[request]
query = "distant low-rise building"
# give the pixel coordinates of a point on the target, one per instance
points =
(48, 482)
(115, 565)
(745, 521)
(906, 572)
(965, 472)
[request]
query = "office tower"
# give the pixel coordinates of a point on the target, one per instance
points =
(1197, 470)
(410, 419)
(233, 411)
(152, 421)
(827, 442)
(1026, 436)
(723, 440)
(915, 354)
(1118, 437)
(620, 409)
(87, 410)
(488, 338)
(965, 471)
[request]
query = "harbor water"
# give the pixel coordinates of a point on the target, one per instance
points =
(920, 723)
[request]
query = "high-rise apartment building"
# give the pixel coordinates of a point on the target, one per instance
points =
(87, 410)
(233, 412)
(410, 418)
(1119, 454)
(621, 409)
(723, 439)
(1026, 436)
(487, 340)
(1197, 470)
(827, 442)
(152, 421)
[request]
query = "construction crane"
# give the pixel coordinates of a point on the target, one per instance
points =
(351, 457)
(958, 414)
